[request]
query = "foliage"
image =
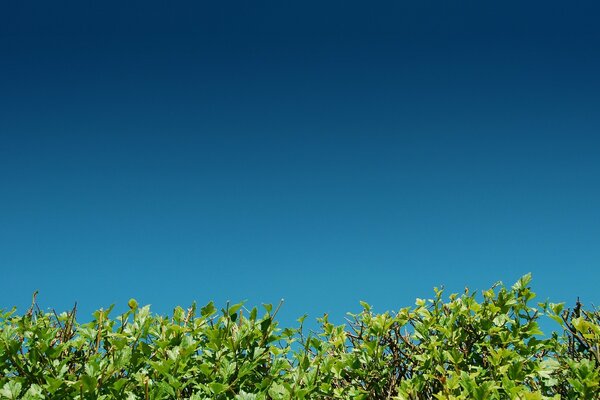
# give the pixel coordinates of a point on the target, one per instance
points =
(462, 347)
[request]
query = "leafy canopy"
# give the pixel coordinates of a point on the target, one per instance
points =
(457, 347)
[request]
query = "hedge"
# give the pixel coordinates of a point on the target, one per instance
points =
(468, 346)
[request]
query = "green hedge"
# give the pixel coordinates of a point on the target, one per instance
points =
(456, 347)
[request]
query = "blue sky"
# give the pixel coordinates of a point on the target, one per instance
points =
(321, 153)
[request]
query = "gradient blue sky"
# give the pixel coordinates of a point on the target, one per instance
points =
(324, 152)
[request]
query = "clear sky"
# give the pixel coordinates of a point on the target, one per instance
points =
(321, 152)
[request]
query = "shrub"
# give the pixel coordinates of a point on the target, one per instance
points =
(461, 347)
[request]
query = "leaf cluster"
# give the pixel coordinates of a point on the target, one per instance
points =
(465, 346)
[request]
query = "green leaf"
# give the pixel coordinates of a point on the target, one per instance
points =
(208, 309)
(268, 307)
(365, 306)
(522, 282)
(11, 390)
(217, 388)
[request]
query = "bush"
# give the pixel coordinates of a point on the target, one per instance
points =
(461, 347)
